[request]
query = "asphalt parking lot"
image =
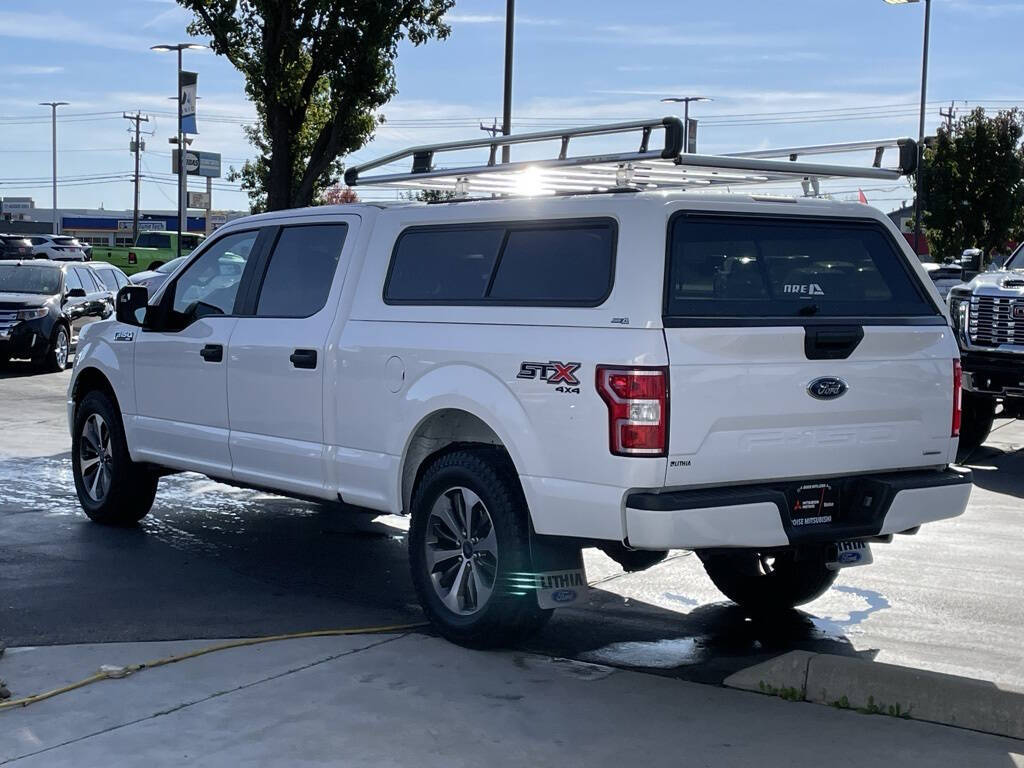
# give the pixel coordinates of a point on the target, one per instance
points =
(212, 561)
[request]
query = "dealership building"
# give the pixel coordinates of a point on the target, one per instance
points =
(102, 227)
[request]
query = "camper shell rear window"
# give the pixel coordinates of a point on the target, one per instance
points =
(749, 267)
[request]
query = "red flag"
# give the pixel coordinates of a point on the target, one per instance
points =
(861, 198)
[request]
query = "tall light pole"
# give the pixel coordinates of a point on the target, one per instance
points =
(506, 114)
(685, 101)
(920, 129)
(182, 178)
(53, 130)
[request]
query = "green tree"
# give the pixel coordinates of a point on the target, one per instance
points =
(974, 183)
(317, 71)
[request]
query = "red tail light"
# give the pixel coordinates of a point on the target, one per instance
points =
(637, 400)
(132, 258)
(957, 397)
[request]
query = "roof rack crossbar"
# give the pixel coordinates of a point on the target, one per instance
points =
(642, 167)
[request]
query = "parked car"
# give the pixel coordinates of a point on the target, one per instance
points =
(43, 307)
(57, 248)
(988, 317)
(769, 382)
(112, 278)
(15, 247)
(154, 278)
(944, 276)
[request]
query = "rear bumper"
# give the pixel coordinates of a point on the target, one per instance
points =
(758, 516)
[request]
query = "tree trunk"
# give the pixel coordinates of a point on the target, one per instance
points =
(279, 176)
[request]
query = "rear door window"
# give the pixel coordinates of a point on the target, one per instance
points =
(548, 264)
(750, 267)
(301, 270)
(107, 277)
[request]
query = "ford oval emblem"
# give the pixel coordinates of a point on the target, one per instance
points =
(563, 595)
(827, 388)
(848, 557)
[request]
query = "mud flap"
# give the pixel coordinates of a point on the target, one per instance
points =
(558, 577)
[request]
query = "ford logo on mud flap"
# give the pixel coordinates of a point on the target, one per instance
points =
(563, 595)
(827, 388)
(848, 557)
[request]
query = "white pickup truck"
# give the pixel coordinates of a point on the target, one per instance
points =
(770, 382)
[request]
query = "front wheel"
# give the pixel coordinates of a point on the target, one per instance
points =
(469, 550)
(112, 489)
(60, 346)
(769, 581)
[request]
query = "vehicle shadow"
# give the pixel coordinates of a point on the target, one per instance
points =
(999, 469)
(20, 369)
(212, 561)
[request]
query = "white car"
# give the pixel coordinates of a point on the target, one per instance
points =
(769, 382)
(57, 248)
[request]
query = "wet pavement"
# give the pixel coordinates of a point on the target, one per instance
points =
(212, 561)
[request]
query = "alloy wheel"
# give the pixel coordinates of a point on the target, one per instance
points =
(95, 458)
(461, 551)
(61, 347)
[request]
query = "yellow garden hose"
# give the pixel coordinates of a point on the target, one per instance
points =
(114, 673)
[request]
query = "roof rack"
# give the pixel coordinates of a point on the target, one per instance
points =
(645, 167)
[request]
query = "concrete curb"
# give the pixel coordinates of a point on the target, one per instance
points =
(872, 687)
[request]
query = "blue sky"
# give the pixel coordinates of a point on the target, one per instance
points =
(781, 73)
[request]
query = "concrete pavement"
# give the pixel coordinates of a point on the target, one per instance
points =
(417, 700)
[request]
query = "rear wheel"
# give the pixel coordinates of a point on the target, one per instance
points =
(976, 419)
(468, 542)
(112, 489)
(768, 581)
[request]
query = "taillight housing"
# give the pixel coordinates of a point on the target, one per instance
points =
(958, 397)
(637, 400)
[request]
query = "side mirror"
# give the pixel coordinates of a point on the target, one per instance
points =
(131, 304)
(76, 293)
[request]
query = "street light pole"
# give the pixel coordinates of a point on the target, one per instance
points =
(506, 115)
(685, 101)
(920, 129)
(53, 130)
(182, 177)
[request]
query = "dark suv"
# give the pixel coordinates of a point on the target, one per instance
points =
(43, 304)
(15, 247)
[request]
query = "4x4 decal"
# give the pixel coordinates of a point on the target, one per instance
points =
(553, 372)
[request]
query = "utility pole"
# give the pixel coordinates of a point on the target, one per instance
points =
(948, 115)
(492, 129)
(506, 115)
(53, 125)
(137, 118)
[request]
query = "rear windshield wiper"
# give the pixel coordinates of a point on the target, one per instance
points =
(808, 309)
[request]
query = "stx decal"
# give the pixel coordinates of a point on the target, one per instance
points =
(553, 372)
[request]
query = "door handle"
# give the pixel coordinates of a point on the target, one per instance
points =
(303, 358)
(212, 353)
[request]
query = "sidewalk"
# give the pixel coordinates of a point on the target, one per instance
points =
(414, 700)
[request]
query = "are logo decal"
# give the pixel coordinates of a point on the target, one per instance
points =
(553, 372)
(810, 289)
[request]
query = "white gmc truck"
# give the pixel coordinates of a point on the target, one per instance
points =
(770, 382)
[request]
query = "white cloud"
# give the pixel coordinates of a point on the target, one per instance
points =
(480, 18)
(30, 69)
(58, 27)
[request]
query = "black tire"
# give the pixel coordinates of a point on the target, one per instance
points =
(975, 423)
(777, 582)
(633, 560)
(124, 495)
(57, 354)
(508, 615)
